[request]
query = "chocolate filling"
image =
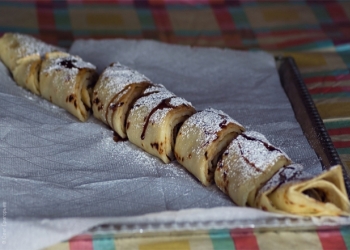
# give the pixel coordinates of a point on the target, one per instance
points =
(38, 75)
(111, 105)
(68, 63)
(86, 107)
(130, 106)
(176, 131)
(214, 162)
(316, 194)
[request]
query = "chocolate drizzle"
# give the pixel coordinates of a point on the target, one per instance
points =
(220, 163)
(283, 178)
(266, 145)
(247, 161)
(165, 103)
(149, 93)
(223, 123)
(290, 173)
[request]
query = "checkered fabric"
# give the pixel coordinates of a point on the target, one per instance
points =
(216, 240)
(315, 33)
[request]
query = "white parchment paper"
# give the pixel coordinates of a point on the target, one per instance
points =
(60, 177)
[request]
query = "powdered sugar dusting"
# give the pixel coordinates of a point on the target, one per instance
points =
(257, 155)
(29, 45)
(159, 115)
(75, 61)
(256, 152)
(117, 77)
(178, 101)
(257, 135)
(126, 150)
(120, 150)
(65, 70)
(290, 173)
(152, 100)
(155, 88)
(210, 121)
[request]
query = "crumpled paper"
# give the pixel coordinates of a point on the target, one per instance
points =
(60, 177)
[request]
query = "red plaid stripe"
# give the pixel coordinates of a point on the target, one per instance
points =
(244, 241)
(331, 240)
(224, 18)
(161, 19)
(337, 12)
(46, 21)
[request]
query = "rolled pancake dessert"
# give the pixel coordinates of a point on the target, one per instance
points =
(14, 46)
(114, 94)
(154, 120)
(201, 139)
(67, 81)
(26, 73)
(248, 163)
(293, 191)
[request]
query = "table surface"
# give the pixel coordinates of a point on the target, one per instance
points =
(315, 33)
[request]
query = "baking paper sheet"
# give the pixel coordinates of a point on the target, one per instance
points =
(71, 176)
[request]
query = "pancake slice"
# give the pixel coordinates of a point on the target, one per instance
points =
(201, 140)
(26, 73)
(154, 120)
(293, 191)
(114, 94)
(67, 81)
(248, 163)
(14, 46)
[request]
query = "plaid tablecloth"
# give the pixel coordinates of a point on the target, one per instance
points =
(315, 33)
(218, 240)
